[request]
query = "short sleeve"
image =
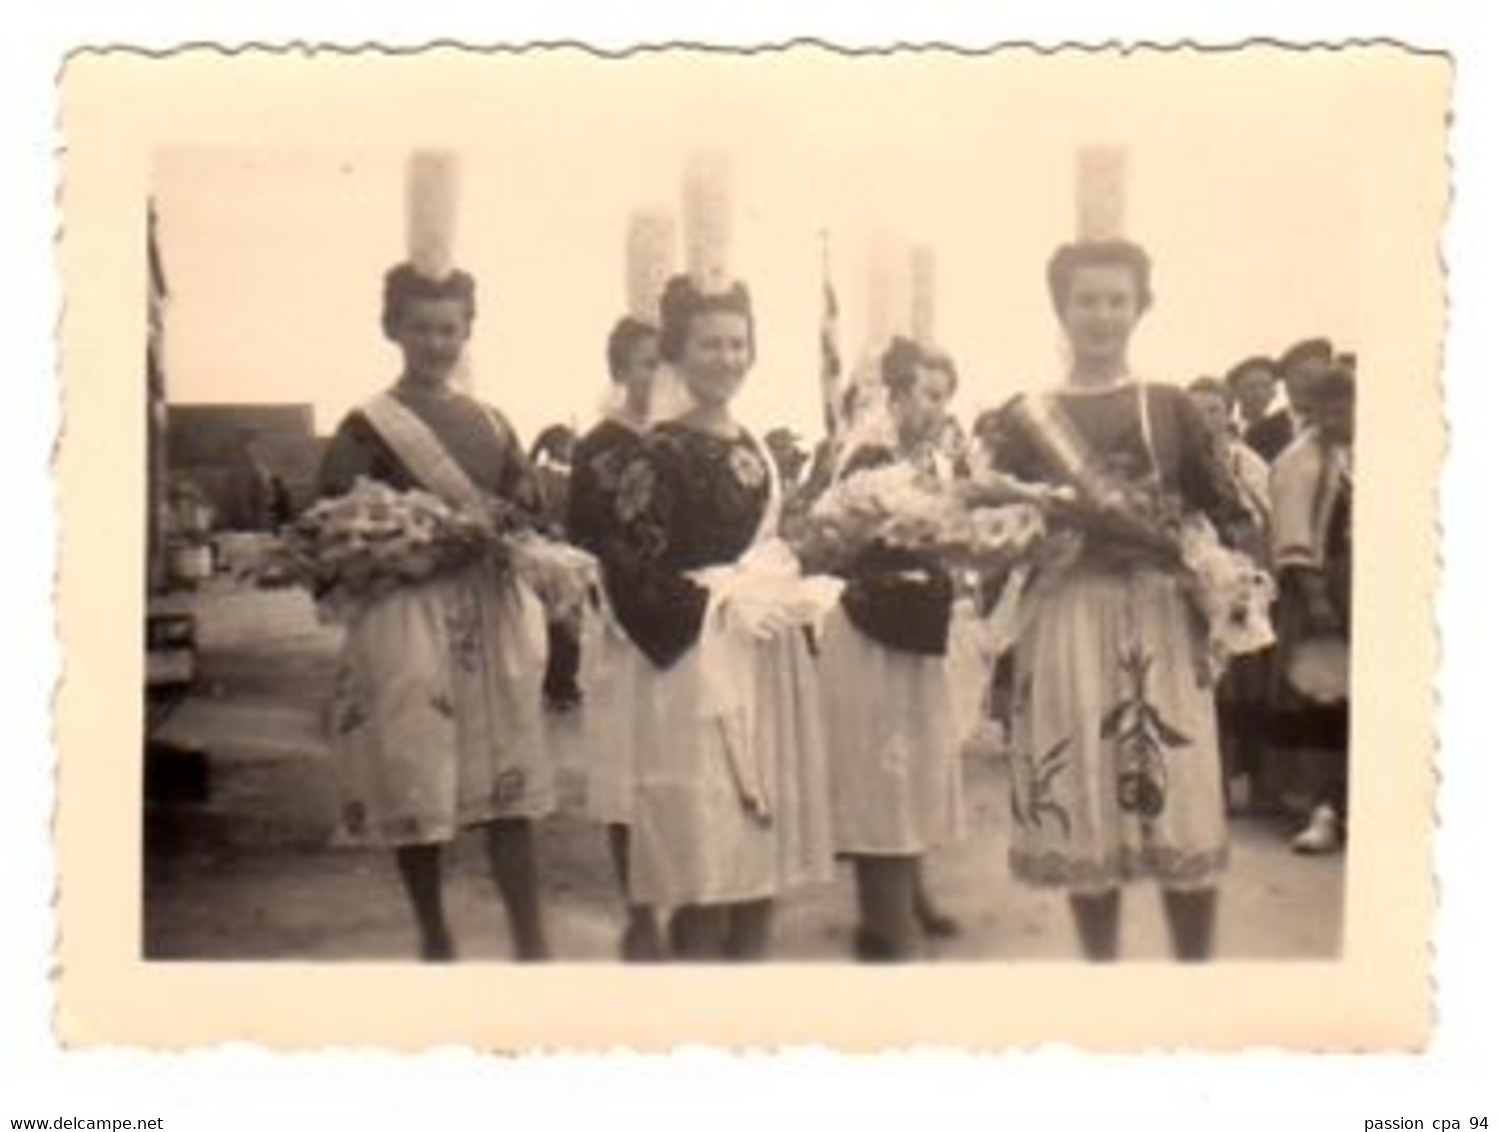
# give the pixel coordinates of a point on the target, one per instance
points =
(354, 451)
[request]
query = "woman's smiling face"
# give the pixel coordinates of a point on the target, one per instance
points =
(715, 356)
(921, 410)
(431, 333)
(1102, 308)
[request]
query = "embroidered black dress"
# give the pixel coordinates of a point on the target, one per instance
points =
(732, 795)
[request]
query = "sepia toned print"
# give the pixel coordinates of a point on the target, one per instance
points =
(855, 525)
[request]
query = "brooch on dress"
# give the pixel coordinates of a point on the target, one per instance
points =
(747, 469)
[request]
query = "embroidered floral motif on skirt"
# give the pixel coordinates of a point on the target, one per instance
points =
(436, 718)
(1116, 763)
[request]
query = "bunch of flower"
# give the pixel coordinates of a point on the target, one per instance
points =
(900, 506)
(363, 544)
(565, 578)
(1233, 594)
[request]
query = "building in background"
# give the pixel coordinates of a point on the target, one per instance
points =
(235, 455)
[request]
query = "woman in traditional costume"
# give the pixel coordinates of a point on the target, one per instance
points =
(731, 801)
(892, 737)
(611, 695)
(1116, 772)
(1312, 487)
(436, 718)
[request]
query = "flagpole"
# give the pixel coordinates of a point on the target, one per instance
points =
(831, 363)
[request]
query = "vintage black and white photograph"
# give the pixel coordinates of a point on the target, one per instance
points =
(693, 509)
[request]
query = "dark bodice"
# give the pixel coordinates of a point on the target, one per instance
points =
(684, 500)
(900, 598)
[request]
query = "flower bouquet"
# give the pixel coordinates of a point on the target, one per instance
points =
(901, 507)
(364, 544)
(1233, 595)
(565, 578)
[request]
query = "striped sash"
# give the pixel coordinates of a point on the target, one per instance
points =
(424, 455)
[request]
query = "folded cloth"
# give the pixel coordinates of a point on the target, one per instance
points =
(761, 594)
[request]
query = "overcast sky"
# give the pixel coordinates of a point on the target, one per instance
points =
(1244, 186)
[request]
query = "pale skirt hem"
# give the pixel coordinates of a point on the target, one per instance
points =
(1169, 868)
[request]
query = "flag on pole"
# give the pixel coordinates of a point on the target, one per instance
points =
(832, 361)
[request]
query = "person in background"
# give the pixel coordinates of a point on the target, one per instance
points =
(1251, 474)
(633, 356)
(1299, 368)
(791, 458)
(1244, 691)
(1273, 433)
(1252, 384)
(551, 456)
(1312, 490)
(436, 722)
(893, 742)
(283, 511)
(953, 439)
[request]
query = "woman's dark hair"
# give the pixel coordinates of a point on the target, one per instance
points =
(903, 360)
(405, 283)
(682, 301)
(1307, 350)
(627, 333)
(1211, 385)
(1248, 366)
(556, 441)
(898, 365)
(1067, 259)
(1336, 383)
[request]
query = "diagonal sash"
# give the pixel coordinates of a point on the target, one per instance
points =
(521, 653)
(1110, 505)
(423, 454)
(1067, 451)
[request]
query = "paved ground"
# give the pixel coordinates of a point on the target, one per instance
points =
(245, 875)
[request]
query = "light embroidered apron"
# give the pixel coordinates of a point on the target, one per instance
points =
(436, 716)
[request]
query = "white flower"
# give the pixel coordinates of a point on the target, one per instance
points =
(1232, 592)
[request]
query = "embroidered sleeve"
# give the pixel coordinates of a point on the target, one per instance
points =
(659, 607)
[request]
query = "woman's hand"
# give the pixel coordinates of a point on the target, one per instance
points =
(761, 618)
(995, 489)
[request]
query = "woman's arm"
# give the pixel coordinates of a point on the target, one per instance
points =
(1207, 483)
(354, 451)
